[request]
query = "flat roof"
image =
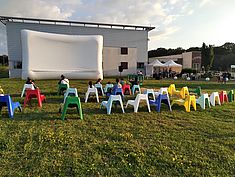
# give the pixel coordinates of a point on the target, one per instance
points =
(5, 19)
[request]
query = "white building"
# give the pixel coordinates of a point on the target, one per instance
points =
(125, 45)
(186, 59)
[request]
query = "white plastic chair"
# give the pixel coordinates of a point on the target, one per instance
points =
(214, 98)
(100, 87)
(92, 90)
(150, 91)
(136, 102)
(108, 104)
(27, 86)
(163, 90)
(70, 91)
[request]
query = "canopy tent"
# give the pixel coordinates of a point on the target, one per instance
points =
(154, 67)
(173, 66)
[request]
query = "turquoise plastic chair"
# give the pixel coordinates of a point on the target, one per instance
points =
(204, 100)
(5, 100)
(108, 104)
(70, 102)
(134, 88)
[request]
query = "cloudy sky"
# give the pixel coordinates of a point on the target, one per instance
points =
(179, 23)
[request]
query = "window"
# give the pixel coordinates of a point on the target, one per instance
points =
(124, 51)
(124, 65)
(140, 65)
(17, 64)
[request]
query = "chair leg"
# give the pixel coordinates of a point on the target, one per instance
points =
(80, 108)
(64, 111)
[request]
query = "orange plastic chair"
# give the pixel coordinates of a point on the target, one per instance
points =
(190, 100)
(34, 94)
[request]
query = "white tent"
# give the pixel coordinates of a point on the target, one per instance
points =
(154, 67)
(174, 66)
(47, 55)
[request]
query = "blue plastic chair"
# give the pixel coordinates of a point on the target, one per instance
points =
(162, 98)
(5, 100)
(118, 91)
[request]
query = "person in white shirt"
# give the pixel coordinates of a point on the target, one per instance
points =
(63, 80)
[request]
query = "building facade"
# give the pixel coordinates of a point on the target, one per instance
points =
(186, 59)
(124, 45)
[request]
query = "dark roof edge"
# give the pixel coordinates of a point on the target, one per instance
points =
(4, 19)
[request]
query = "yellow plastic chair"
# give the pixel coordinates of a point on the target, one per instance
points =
(184, 92)
(172, 90)
(1, 90)
(190, 100)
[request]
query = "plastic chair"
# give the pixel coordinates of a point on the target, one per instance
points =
(231, 96)
(118, 91)
(125, 88)
(5, 100)
(62, 88)
(27, 86)
(34, 94)
(163, 90)
(204, 100)
(1, 90)
(99, 88)
(214, 98)
(108, 88)
(134, 88)
(69, 92)
(223, 97)
(184, 92)
(197, 91)
(172, 90)
(162, 98)
(72, 101)
(150, 91)
(108, 104)
(189, 100)
(136, 102)
(92, 90)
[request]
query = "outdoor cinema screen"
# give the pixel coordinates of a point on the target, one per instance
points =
(48, 55)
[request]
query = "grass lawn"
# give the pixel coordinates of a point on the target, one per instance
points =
(37, 143)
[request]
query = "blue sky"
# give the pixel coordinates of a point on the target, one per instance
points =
(179, 23)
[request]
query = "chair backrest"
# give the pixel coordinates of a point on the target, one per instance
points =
(114, 98)
(118, 90)
(141, 97)
(34, 92)
(1, 90)
(163, 90)
(6, 99)
(29, 86)
(93, 89)
(171, 89)
(184, 91)
(98, 86)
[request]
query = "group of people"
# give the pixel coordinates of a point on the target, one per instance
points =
(164, 74)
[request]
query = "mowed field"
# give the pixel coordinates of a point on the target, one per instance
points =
(38, 143)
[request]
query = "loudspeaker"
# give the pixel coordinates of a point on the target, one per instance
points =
(120, 68)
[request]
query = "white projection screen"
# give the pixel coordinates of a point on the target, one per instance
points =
(48, 55)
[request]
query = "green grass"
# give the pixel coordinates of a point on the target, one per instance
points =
(37, 143)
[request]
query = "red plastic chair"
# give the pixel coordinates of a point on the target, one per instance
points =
(126, 88)
(223, 97)
(34, 94)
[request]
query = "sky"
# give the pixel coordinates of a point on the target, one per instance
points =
(179, 23)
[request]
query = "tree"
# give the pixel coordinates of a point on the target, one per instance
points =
(211, 56)
(205, 56)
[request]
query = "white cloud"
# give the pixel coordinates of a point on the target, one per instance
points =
(204, 2)
(161, 13)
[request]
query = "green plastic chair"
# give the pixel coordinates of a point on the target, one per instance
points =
(62, 88)
(72, 102)
(231, 96)
(197, 91)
